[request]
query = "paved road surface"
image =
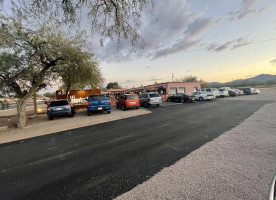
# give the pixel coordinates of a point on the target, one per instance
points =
(14, 105)
(106, 160)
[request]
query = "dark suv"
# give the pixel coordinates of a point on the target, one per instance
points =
(60, 107)
(149, 99)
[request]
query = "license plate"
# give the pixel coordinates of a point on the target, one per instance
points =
(59, 109)
(100, 108)
(132, 102)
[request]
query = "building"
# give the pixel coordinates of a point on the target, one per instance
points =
(170, 88)
(164, 89)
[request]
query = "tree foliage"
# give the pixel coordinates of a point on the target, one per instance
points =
(113, 85)
(109, 18)
(50, 94)
(81, 70)
(187, 79)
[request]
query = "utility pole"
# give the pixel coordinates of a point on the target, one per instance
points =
(172, 77)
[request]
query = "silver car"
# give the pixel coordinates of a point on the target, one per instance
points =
(149, 99)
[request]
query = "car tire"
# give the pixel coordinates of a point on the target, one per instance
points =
(182, 101)
(89, 113)
(145, 105)
(201, 99)
(117, 106)
(137, 107)
(157, 105)
(109, 111)
(50, 117)
(123, 108)
(169, 100)
(72, 115)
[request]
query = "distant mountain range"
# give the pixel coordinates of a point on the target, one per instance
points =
(260, 79)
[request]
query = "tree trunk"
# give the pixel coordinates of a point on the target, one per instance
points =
(67, 90)
(21, 109)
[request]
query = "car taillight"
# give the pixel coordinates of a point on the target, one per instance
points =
(87, 103)
(49, 108)
(69, 106)
(109, 102)
(210, 95)
(148, 100)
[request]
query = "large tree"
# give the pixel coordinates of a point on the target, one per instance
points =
(29, 60)
(84, 71)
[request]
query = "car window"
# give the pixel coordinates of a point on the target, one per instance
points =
(96, 97)
(154, 95)
(134, 96)
(208, 90)
(58, 103)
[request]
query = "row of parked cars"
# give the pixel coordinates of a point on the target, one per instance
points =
(125, 101)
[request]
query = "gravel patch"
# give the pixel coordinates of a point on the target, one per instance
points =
(239, 164)
(40, 125)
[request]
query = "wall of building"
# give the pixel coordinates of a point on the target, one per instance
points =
(178, 86)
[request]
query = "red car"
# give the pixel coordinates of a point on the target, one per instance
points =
(128, 101)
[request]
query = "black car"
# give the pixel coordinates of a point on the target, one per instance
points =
(60, 107)
(181, 97)
(246, 91)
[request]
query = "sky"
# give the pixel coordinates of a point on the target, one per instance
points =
(214, 40)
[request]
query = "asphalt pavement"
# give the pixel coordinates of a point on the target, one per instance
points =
(106, 160)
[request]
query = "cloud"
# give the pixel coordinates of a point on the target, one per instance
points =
(233, 44)
(153, 78)
(247, 7)
(199, 25)
(163, 35)
(129, 81)
(273, 62)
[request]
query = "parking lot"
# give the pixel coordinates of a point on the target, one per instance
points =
(109, 159)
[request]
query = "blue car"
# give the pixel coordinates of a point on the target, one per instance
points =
(60, 107)
(98, 103)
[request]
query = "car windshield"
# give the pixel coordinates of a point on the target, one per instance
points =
(134, 96)
(58, 103)
(96, 97)
(154, 95)
(221, 90)
(208, 90)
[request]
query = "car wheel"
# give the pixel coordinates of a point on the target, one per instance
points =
(145, 104)
(117, 106)
(137, 107)
(182, 101)
(169, 100)
(88, 113)
(201, 99)
(50, 117)
(123, 108)
(157, 105)
(72, 115)
(109, 111)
